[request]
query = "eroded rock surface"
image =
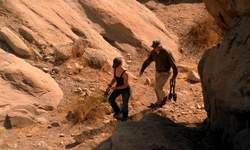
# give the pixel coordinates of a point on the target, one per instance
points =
(24, 89)
(153, 132)
(225, 11)
(225, 78)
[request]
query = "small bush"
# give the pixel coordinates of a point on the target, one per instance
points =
(87, 108)
(202, 37)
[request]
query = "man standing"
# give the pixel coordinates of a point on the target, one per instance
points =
(163, 62)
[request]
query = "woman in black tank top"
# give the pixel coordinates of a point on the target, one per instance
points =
(121, 88)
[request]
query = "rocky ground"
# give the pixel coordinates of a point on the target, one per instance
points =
(180, 18)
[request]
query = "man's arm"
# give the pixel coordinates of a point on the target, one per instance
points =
(175, 70)
(173, 65)
(145, 64)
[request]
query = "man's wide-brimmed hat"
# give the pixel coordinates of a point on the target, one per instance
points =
(156, 44)
(116, 62)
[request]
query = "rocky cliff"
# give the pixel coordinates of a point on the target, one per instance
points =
(224, 72)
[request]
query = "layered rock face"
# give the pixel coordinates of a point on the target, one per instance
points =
(225, 78)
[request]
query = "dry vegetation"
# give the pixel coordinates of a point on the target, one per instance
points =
(81, 107)
(204, 36)
(201, 37)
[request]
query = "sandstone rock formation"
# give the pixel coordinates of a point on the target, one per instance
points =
(152, 132)
(225, 78)
(18, 46)
(26, 91)
(225, 11)
(104, 24)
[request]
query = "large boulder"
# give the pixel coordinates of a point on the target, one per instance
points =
(17, 45)
(26, 90)
(152, 132)
(225, 78)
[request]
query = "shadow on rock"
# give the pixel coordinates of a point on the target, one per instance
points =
(72, 145)
(154, 132)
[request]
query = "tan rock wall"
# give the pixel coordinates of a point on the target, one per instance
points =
(225, 78)
(224, 11)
